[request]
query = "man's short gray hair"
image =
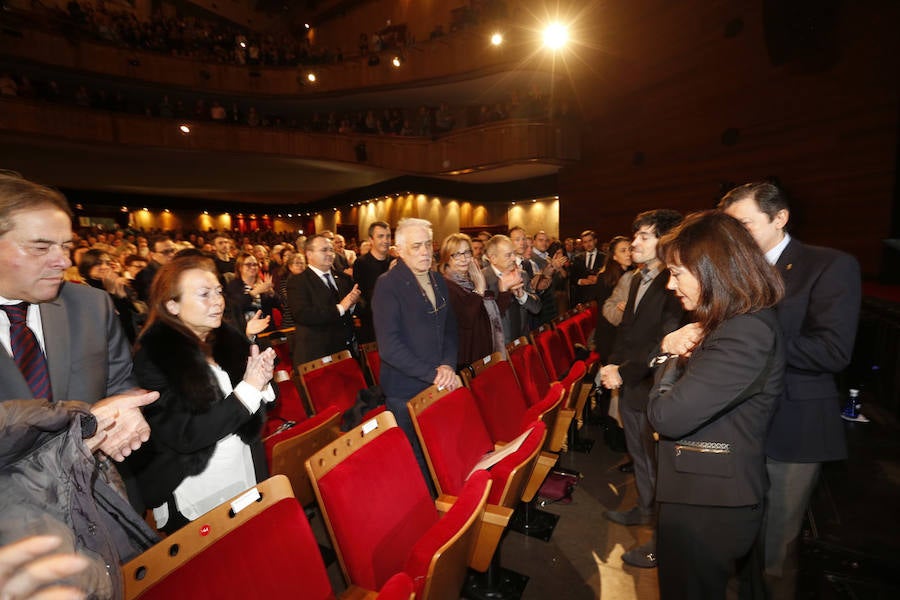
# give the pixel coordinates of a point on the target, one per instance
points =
(410, 223)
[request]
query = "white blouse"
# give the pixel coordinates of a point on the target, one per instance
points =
(230, 469)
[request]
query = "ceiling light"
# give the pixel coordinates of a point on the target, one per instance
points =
(311, 77)
(556, 35)
(184, 128)
(497, 39)
(396, 61)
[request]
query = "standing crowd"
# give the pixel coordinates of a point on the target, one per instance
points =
(135, 376)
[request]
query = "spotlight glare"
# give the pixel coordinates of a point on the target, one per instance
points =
(556, 35)
(497, 39)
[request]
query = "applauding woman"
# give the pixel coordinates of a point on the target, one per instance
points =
(205, 446)
(249, 293)
(715, 393)
(478, 312)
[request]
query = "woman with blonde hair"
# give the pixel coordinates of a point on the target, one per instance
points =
(478, 312)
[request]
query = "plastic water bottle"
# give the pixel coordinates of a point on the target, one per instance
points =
(851, 410)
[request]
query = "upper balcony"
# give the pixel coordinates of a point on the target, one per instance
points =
(462, 55)
(97, 149)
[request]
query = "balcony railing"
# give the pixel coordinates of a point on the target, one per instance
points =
(460, 54)
(474, 148)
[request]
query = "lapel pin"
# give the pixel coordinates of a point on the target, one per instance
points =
(789, 266)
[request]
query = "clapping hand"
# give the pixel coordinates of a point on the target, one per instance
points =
(257, 324)
(121, 427)
(260, 367)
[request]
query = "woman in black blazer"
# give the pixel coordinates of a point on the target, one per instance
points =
(213, 385)
(714, 395)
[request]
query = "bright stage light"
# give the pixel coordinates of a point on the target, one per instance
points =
(556, 35)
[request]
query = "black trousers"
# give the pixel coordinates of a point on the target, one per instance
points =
(700, 547)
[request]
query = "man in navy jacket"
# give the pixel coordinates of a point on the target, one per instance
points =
(414, 326)
(818, 317)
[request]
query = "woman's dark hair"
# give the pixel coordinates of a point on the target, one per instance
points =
(167, 286)
(733, 273)
(89, 260)
(612, 270)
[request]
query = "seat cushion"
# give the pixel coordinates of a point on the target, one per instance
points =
(377, 520)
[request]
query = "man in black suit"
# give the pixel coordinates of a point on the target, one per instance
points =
(585, 267)
(818, 318)
(651, 312)
(321, 302)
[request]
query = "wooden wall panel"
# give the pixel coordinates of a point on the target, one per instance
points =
(830, 136)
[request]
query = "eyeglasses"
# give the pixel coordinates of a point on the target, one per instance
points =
(462, 254)
(324, 250)
(167, 251)
(251, 265)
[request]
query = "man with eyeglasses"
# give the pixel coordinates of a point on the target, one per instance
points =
(503, 274)
(67, 397)
(415, 327)
(321, 302)
(162, 249)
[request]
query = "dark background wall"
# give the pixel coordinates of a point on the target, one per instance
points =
(682, 97)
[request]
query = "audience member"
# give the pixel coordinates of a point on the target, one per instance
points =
(250, 297)
(162, 253)
(651, 312)
(478, 312)
(49, 441)
(818, 318)
(503, 275)
(223, 259)
(584, 270)
(711, 405)
(213, 384)
(322, 303)
(415, 329)
(366, 271)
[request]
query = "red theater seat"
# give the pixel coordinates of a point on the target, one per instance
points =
(288, 450)
(265, 550)
(529, 369)
(331, 381)
(382, 518)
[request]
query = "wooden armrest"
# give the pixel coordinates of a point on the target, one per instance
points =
(545, 462)
(444, 503)
(493, 524)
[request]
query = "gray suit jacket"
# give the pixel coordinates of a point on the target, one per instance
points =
(516, 319)
(87, 353)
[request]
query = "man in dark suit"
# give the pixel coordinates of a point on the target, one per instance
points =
(321, 302)
(415, 328)
(83, 349)
(503, 274)
(651, 312)
(585, 267)
(818, 318)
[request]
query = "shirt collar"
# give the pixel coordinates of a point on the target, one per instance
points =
(318, 272)
(775, 253)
